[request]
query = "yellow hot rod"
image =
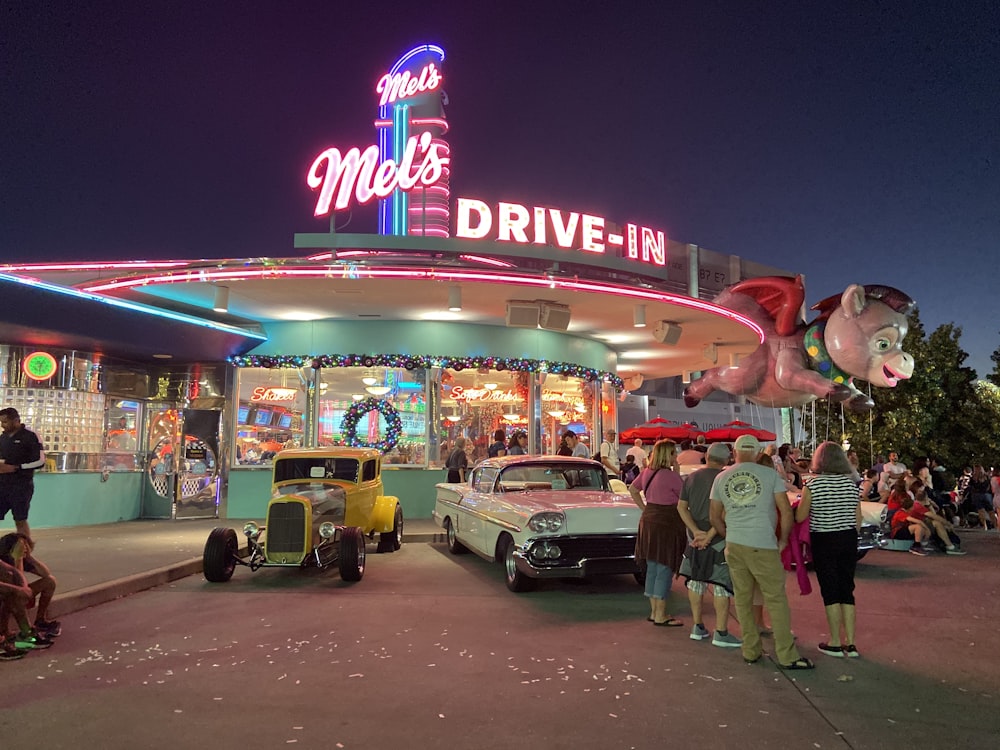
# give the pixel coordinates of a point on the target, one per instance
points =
(324, 503)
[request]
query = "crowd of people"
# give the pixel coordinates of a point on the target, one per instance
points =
(723, 528)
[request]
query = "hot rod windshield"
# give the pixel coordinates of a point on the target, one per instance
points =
(552, 476)
(315, 469)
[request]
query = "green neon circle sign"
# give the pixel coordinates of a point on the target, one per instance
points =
(39, 366)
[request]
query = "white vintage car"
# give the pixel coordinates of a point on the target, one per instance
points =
(543, 517)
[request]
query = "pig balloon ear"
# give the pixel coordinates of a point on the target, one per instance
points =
(853, 300)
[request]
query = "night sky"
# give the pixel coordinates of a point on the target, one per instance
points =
(852, 142)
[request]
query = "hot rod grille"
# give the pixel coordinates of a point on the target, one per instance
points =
(286, 528)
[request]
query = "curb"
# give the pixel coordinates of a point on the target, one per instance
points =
(102, 593)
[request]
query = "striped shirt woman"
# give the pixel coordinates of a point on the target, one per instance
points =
(830, 501)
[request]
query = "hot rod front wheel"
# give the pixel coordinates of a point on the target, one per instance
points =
(352, 554)
(221, 550)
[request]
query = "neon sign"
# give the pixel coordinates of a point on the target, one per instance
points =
(570, 230)
(263, 393)
(481, 394)
(360, 173)
(39, 366)
(404, 85)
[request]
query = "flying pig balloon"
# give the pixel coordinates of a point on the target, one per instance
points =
(857, 334)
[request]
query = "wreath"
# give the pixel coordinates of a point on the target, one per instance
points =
(394, 425)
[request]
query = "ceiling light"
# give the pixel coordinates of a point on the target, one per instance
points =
(454, 298)
(377, 390)
(369, 378)
(357, 397)
(490, 386)
(557, 413)
(639, 316)
(512, 418)
(221, 299)
(453, 418)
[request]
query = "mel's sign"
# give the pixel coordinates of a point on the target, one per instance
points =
(359, 176)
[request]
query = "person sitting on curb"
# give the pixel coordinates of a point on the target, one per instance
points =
(937, 525)
(14, 595)
(905, 525)
(15, 552)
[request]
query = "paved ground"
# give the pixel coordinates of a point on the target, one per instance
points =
(431, 647)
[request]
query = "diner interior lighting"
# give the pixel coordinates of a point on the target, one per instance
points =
(369, 378)
(453, 418)
(557, 413)
(490, 386)
(357, 397)
(454, 298)
(639, 316)
(221, 303)
(512, 418)
(377, 390)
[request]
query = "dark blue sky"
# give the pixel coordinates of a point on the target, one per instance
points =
(853, 142)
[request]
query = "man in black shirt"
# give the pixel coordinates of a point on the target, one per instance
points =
(20, 454)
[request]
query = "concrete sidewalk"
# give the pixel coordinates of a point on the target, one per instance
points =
(96, 564)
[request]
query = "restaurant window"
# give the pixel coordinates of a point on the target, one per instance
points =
(269, 414)
(397, 422)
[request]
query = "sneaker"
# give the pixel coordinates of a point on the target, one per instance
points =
(33, 640)
(10, 652)
(50, 628)
(829, 650)
(954, 551)
(699, 633)
(851, 651)
(917, 549)
(726, 641)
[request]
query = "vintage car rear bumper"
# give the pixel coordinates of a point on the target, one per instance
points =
(581, 556)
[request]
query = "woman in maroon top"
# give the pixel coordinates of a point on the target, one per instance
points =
(662, 537)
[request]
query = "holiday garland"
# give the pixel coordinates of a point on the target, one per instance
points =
(394, 425)
(413, 362)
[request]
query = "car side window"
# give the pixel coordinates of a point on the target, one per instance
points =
(483, 480)
(369, 471)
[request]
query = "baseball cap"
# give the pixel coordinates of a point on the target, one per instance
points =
(718, 452)
(747, 443)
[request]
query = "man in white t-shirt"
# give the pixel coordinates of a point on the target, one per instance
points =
(609, 452)
(747, 501)
(637, 453)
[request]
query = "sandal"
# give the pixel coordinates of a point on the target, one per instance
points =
(801, 663)
(670, 622)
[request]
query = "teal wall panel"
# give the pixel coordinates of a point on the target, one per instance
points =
(250, 490)
(82, 499)
(433, 338)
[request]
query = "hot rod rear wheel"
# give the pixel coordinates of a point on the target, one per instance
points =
(390, 541)
(455, 547)
(219, 560)
(516, 580)
(352, 554)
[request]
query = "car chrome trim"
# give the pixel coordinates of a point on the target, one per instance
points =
(480, 515)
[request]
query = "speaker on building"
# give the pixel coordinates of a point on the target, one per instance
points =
(667, 333)
(523, 314)
(555, 317)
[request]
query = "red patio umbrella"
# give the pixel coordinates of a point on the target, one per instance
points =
(686, 431)
(652, 430)
(732, 430)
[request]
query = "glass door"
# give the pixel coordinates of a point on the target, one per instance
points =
(182, 471)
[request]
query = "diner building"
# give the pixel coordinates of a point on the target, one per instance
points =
(164, 388)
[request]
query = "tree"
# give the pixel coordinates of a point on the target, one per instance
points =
(994, 377)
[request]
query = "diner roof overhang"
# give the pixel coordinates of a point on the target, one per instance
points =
(372, 277)
(42, 314)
